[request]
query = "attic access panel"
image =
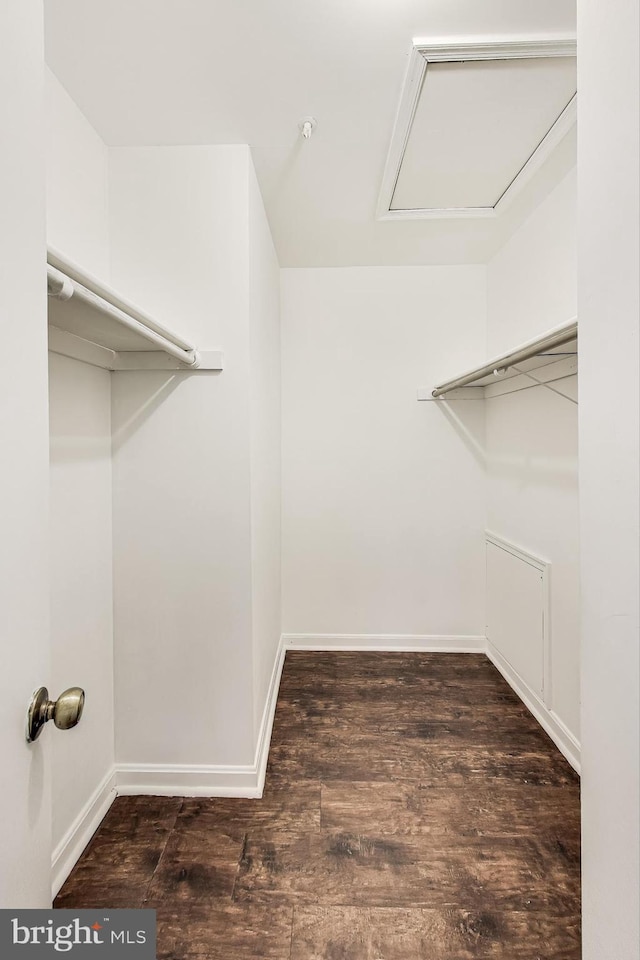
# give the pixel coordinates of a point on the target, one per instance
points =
(475, 122)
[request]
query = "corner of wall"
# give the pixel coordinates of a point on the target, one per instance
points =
(80, 526)
(265, 414)
(77, 171)
(532, 490)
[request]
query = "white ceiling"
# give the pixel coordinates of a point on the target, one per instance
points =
(245, 71)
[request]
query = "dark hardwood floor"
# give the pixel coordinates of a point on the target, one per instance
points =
(413, 810)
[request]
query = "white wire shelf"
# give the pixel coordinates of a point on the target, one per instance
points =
(552, 355)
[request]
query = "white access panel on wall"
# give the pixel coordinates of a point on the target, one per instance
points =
(517, 612)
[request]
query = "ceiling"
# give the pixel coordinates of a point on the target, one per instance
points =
(245, 71)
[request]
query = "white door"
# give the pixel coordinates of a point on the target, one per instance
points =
(25, 804)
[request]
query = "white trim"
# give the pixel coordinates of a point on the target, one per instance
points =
(440, 213)
(411, 90)
(208, 780)
(384, 642)
(564, 740)
(68, 851)
(186, 780)
(268, 714)
(538, 562)
(448, 50)
(424, 52)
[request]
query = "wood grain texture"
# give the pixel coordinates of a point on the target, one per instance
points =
(347, 933)
(117, 867)
(413, 809)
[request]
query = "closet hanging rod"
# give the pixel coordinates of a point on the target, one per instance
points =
(63, 288)
(65, 280)
(533, 348)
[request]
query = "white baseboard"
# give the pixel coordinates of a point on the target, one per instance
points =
(383, 643)
(266, 727)
(205, 780)
(66, 854)
(186, 780)
(552, 724)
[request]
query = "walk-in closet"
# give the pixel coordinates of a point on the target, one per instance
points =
(320, 416)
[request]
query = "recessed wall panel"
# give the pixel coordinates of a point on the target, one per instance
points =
(515, 612)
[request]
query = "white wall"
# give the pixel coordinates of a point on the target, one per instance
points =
(76, 182)
(81, 580)
(196, 457)
(609, 304)
(25, 812)
(80, 497)
(383, 497)
(181, 443)
(532, 279)
(532, 436)
(264, 291)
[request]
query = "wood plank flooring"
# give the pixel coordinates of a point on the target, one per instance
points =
(413, 810)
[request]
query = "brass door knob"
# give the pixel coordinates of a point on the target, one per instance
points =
(65, 711)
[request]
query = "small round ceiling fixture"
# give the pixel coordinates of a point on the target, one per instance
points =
(306, 126)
